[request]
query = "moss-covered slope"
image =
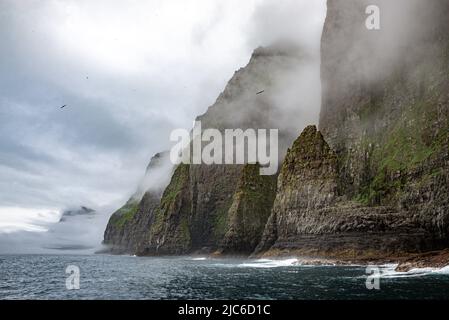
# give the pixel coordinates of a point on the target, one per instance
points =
(169, 232)
(249, 212)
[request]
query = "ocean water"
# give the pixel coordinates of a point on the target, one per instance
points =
(126, 277)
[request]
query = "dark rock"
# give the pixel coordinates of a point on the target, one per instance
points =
(307, 182)
(434, 259)
(82, 211)
(169, 231)
(249, 211)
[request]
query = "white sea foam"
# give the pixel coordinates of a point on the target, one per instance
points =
(444, 270)
(199, 259)
(389, 271)
(267, 263)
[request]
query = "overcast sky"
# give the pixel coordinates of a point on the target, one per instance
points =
(129, 72)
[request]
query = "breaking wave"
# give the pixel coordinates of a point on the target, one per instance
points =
(199, 259)
(267, 263)
(388, 271)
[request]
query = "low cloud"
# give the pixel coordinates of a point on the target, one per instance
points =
(129, 72)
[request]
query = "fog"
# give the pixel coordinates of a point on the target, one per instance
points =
(129, 72)
(373, 55)
(50, 233)
(157, 175)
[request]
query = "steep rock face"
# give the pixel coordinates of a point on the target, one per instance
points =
(128, 226)
(309, 217)
(249, 211)
(385, 95)
(385, 115)
(390, 126)
(195, 210)
(307, 182)
(169, 232)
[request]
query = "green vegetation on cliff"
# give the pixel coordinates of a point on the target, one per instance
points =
(249, 211)
(177, 184)
(125, 214)
(411, 141)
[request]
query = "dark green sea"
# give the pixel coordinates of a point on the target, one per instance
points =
(126, 277)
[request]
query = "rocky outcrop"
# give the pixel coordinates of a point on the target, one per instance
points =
(434, 259)
(307, 182)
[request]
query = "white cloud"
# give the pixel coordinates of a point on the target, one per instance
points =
(24, 219)
(130, 72)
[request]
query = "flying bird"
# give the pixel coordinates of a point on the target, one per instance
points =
(63, 106)
(260, 92)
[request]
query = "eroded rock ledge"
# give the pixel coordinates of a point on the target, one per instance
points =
(434, 259)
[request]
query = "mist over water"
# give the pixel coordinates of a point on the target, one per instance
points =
(78, 234)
